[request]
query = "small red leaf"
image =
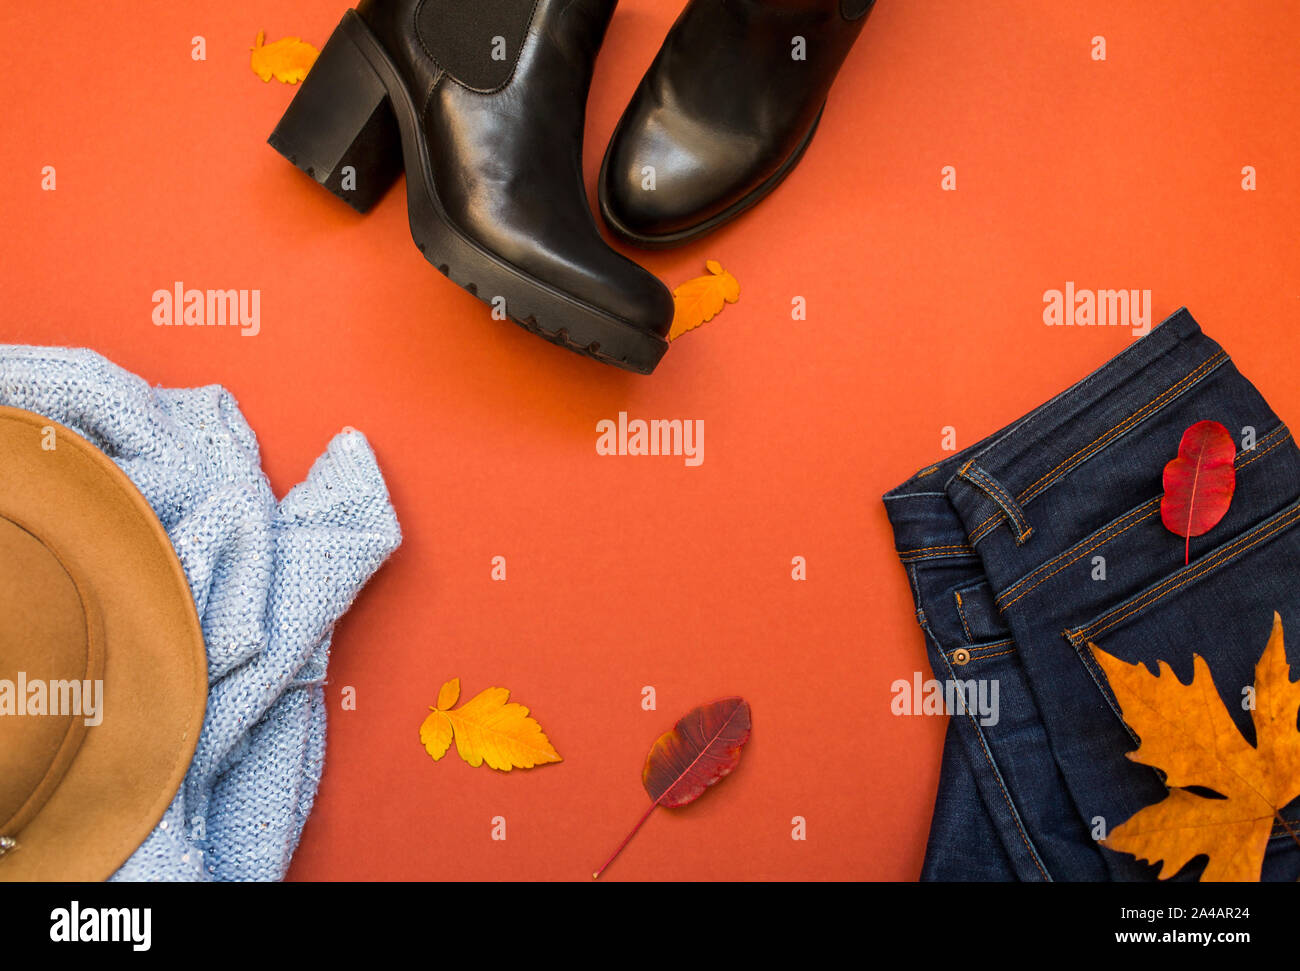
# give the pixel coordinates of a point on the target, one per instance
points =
(1200, 482)
(703, 747)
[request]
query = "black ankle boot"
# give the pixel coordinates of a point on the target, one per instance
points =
(724, 113)
(482, 103)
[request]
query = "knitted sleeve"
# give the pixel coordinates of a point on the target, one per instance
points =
(269, 580)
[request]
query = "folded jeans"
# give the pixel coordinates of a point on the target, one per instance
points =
(1046, 537)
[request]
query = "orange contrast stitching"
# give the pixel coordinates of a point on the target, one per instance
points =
(1255, 453)
(960, 552)
(981, 651)
(1209, 568)
(1108, 528)
(986, 527)
(997, 777)
(1109, 533)
(1172, 391)
(962, 614)
(1102, 541)
(999, 654)
(1179, 580)
(989, 647)
(1029, 493)
(1003, 498)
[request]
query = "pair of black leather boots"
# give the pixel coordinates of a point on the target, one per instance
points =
(482, 103)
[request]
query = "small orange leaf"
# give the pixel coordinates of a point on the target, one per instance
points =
(486, 729)
(435, 734)
(287, 59)
(449, 694)
(702, 299)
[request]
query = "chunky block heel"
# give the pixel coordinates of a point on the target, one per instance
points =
(526, 243)
(340, 128)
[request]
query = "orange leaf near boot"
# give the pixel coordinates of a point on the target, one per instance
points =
(700, 300)
(287, 59)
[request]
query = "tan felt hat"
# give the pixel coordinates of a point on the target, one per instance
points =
(103, 675)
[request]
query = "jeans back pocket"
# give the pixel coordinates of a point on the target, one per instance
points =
(1220, 607)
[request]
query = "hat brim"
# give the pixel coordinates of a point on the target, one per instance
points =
(128, 768)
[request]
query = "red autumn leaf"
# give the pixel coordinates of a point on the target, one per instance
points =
(702, 747)
(1199, 483)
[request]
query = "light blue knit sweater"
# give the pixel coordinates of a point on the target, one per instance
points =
(269, 580)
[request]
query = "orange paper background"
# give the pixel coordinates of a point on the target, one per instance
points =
(924, 310)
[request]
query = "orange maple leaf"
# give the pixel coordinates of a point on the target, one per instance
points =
(287, 59)
(1186, 731)
(700, 300)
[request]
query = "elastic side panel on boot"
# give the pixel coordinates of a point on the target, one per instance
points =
(477, 42)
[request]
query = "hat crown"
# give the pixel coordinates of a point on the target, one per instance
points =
(50, 663)
(91, 590)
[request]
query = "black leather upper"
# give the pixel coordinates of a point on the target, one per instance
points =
(723, 107)
(507, 163)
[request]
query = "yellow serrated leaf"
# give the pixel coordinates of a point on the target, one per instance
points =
(700, 300)
(287, 59)
(487, 728)
(435, 734)
(449, 694)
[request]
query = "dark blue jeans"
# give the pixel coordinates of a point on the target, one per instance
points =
(1047, 536)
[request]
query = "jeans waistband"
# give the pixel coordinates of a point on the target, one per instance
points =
(993, 484)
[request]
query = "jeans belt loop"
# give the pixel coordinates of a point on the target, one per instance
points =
(990, 486)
